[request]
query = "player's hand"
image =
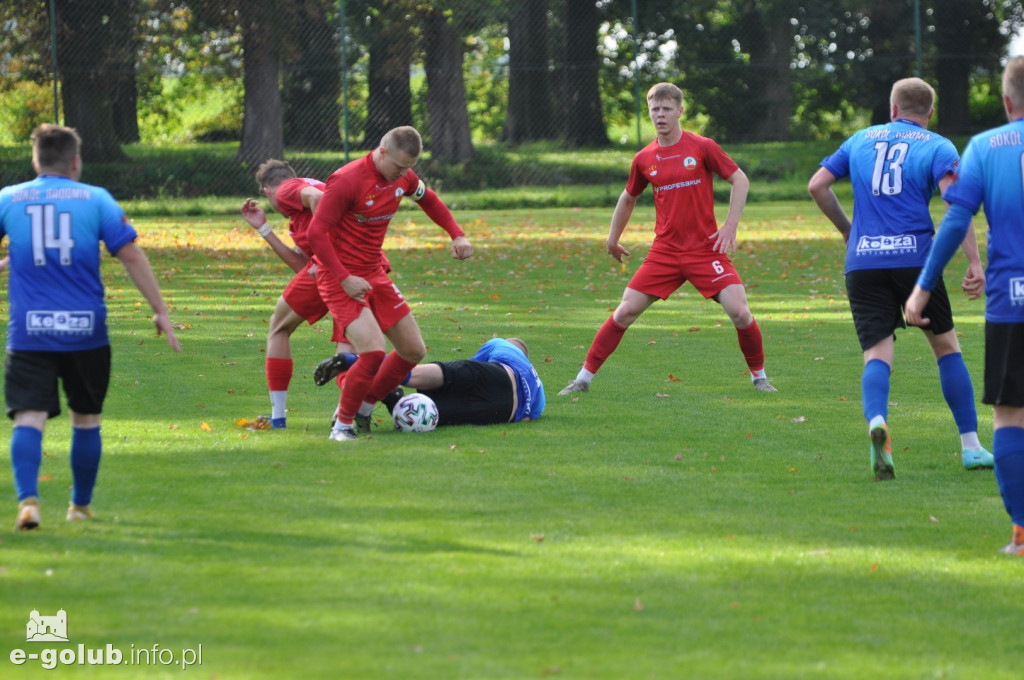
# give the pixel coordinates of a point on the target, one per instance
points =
(724, 240)
(253, 213)
(462, 249)
(5, 262)
(974, 282)
(356, 287)
(164, 327)
(617, 251)
(311, 271)
(915, 305)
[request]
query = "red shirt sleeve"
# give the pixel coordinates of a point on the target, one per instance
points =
(336, 200)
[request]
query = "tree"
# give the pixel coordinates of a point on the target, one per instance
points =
(580, 91)
(391, 47)
(86, 39)
(450, 140)
(312, 82)
(529, 115)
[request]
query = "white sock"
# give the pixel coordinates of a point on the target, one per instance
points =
(877, 421)
(970, 441)
(366, 409)
(584, 376)
(278, 403)
(758, 375)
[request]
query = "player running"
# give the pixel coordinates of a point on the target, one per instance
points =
(992, 173)
(895, 169)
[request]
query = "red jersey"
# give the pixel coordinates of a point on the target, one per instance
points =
(684, 201)
(289, 202)
(354, 213)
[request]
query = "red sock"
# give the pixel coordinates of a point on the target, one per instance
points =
(358, 382)
(605, 342)
(279, 374)
(752, 346)
(391, 374)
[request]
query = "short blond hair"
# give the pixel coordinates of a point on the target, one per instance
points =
(1013, 82)
(272, 172)
(665, 91)
(913, 96)
(405, 139)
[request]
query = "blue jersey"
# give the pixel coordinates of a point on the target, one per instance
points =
(531, 390)
(993, 173)
(54, 226)
(894, 169)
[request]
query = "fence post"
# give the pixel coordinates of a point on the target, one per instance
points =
(636, 73)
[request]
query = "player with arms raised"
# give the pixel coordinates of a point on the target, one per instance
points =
(346, 235)
(688, 245)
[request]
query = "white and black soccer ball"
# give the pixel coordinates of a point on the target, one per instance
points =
(415, 413)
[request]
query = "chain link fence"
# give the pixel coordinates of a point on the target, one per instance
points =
(185, 98)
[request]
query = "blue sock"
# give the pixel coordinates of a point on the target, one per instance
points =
(26, 457)
(1008, 450)
(958, 391)
(86, 448)
(874, 389)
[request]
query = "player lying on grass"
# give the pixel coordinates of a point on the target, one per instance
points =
(497, 385)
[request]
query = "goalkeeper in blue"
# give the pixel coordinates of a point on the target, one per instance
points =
(57, 331)
(895, 169)
(992, 173)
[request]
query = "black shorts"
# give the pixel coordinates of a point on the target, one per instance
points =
(1004, 364)
(474, 393)
(877, 297)
(30, 380)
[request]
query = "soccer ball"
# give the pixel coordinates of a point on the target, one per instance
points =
(415, 413)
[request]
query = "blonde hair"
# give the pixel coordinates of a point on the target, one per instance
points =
(272, 172)
(520, 344)
(405, 139)
(54, 147)
(1013, 82)
(913, 96)
(665, 91)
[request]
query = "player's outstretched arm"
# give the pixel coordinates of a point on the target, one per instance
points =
(257, 219)
(135, 261)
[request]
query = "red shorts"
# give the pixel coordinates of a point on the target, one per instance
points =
(303, 296)
(662, 274)
(384, 300)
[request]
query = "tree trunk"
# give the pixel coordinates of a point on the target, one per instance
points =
(450, 140)
(389, 103)
(582, 118)
(263, 119)
(312, 82)
(529, 115)
(85, 38)
(770, 75)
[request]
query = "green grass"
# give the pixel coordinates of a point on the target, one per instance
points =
(670, 523)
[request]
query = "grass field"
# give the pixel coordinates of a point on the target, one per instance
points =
(671, 523)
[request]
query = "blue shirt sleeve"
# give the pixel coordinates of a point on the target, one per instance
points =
(951, 234)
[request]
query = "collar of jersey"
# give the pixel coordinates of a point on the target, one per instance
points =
(908, 122)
